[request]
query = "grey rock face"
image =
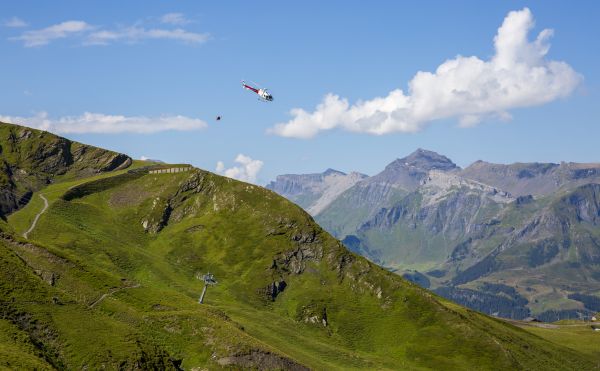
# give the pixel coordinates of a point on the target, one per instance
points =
(273, 289)
(521, 179)
(314, 192)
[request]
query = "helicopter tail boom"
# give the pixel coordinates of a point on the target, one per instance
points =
(249, 87)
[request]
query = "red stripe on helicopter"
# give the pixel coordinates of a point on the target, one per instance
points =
(251, 88)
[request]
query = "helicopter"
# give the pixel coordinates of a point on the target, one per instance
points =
(263, 94)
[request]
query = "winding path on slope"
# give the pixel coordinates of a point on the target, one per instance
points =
(112, 291)
(35, 220)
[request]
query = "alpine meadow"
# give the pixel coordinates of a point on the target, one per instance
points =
(203, 185)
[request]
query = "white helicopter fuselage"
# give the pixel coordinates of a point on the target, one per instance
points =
(264, 94)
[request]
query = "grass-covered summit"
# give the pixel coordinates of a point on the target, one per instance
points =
(108, 279)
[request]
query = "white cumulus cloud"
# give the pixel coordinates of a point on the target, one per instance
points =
(177, 19)
(468, 88)
(46, 35)
(106, 124)
(15, 22)
(246, 170)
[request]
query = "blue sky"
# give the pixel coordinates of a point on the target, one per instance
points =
(177, 65)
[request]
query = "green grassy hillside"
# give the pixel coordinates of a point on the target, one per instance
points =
(113, 269)
(575, 334)
(107, 279)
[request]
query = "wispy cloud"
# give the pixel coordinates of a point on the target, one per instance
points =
(15, 22)
(177, 19)
(107, 124)
(136, 34)
(88, 34)
(246, 170)
(48, 34)
(468, 88)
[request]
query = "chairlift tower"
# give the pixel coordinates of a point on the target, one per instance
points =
(209, 279)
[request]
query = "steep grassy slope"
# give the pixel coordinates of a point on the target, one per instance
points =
(51, 306)
(22, 220)
(121, 254)
(578, 335)
(30, 159)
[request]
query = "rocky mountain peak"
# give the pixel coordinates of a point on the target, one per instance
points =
(331, 171)
(407, 173)
(428, 160)
(421, 160)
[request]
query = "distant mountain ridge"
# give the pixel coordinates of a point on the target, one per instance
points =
(536, 178)
(529, 226)
(314, 192)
